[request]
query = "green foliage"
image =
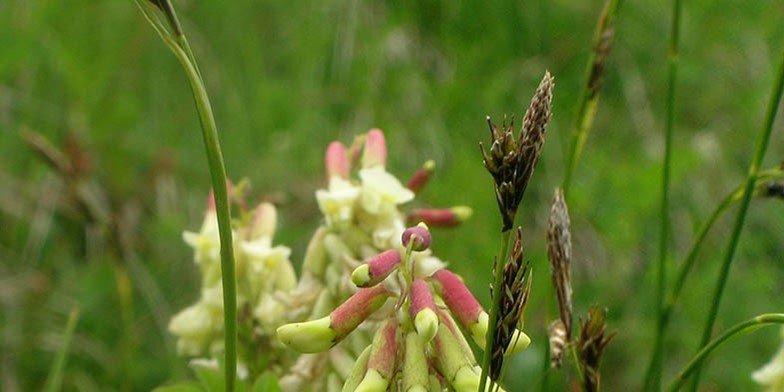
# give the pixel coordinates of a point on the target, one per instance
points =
(288, 77)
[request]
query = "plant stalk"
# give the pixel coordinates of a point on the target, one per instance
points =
(54, 380)
(751, 180)
(494, 308)
(653, 375)
(746, 326)
(179, 45)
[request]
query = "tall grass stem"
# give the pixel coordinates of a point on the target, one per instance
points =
(653, 375)
(55, 378)
(740, 328)
(589, 96)
(181, 49)
(751, 180)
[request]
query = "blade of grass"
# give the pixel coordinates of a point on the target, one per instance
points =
(653, 375)
(754, 168)
(740, 328)
(589, 97)
(55, 378)
(181, 49)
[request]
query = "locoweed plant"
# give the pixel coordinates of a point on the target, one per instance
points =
(374, 309)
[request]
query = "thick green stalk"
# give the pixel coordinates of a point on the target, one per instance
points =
(494, 308)
(179, 46)
(754, 168)
(653, 375)
(55, 378)
(589, 96)
(746, 326)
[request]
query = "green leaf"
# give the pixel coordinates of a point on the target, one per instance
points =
(266, 382)
(185, 386)
(211, 379)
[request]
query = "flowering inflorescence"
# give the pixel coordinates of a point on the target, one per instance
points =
(512, 161)
(265, 276)
(395, 319)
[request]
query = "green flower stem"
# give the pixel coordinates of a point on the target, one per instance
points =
(589, 97)
(653, 375)
(500, 261)
(181, 49)
(688, 263)
(754, 168)
(744, 327)
(55, 378)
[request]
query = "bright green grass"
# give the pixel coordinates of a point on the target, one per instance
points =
(286, 78)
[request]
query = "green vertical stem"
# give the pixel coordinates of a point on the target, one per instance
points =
(751, 180)
(653, 375)
(54, 380)
(500, 261)
(589, 96)
(746, 326)
(177, 42)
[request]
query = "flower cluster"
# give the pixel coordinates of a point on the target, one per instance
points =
(418, 344)
(264, 276)
(384, 313)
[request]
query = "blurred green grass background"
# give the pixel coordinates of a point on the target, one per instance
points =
(288, 77)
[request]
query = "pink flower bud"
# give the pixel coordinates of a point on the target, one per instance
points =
(422, 176)
(336, 161)
(265, 219)
(458, 298)
(356, 309)
(375, 149)
(423, 310)
(376, 269)
(444, 217)
(383, 356)
(420, 236)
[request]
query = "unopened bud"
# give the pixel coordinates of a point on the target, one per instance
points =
(375, 153)
(382, 360)
(422, 176)
(357, 372)
(265, 219)
(444, 217)
(310, 336)
(336, 161)
(316, 259)
(418, 236)
(321, 334)
(469, 312)
(451, 362)
(423, 310)
(376, 269)
(415, 366)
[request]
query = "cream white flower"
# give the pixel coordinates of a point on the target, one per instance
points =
(194, 326)
(382, 192)
(337, 203)
(771, 376)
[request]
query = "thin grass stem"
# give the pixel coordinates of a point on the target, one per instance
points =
(740, 328)
(653, 375)
(55, 378)
(181, 49)
(753, 173)
(494, 308)
(589, 96)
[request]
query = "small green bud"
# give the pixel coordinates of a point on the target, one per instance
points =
(308, 337)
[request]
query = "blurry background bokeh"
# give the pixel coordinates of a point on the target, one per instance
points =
(93, 81)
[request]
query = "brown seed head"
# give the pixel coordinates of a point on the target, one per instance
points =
(559, 252)
(511, 162)
(592, 341)
(516, 287)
